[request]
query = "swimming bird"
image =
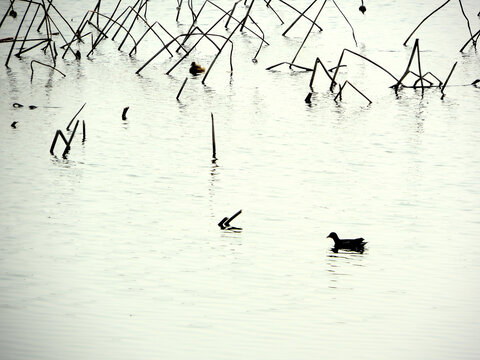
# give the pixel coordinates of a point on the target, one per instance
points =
(196, 69)
(353, 244)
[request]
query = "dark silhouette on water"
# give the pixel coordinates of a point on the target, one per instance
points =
(196, 69)
(14, 124)
(225, 223)
(350, 244)
(124, 113)
(362, 8)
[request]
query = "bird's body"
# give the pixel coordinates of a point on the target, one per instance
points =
(196, 69)
(14, 124)
(346, 243)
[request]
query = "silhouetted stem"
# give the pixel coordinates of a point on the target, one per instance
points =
(60, 14)
(84, 133)
(290, 65)
(180, 91)
(318, 61)
(408, 66)
(31, 47)
(232, 217)
(219, 52)
(308, 99)
(448, 77)
(271, 8)
(78, 112)
(75, 35)
(16, 35)
(263, 37)
(190, 50)
(6, 13)
(178, 9)
(419, 66)
(433, 12)
(124, 112)
(28, 30)
(102, 34)
(229, 12)
(222, 222)
(340, 92)
(246, 16)
(306, 37)
(57, 134)
(150, 28)
(67, 148)
(302, 14)
(192, 28)
(50, 66)
(477, 34)
(299, 17)
(360, 92)
(214, 148)
(130, 28)
(466, 18)
(348, 22)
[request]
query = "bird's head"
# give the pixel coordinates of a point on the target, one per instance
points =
(333, 236)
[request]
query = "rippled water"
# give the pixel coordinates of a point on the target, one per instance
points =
(115, 252)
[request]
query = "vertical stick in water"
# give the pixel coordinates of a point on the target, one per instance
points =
(181, 89)
(419, 66)
(446, 81)
(333, 83)
(67, 148)
(214, 148)
(124, 113)
(308, 99)
(231, 14)
(84, 137)
(178, 10)
(246, 16)
(16, 35)
(54, 142)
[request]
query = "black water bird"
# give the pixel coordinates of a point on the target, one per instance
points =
(14, 124)
(224, 224)
(196, 69)
(352, 244)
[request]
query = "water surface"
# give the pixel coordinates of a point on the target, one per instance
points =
(114, 252)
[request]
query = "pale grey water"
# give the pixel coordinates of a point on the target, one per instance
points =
(114, 253)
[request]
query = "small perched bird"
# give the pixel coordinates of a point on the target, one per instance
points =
(353, 244)
(196, 69)
(14, 124)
